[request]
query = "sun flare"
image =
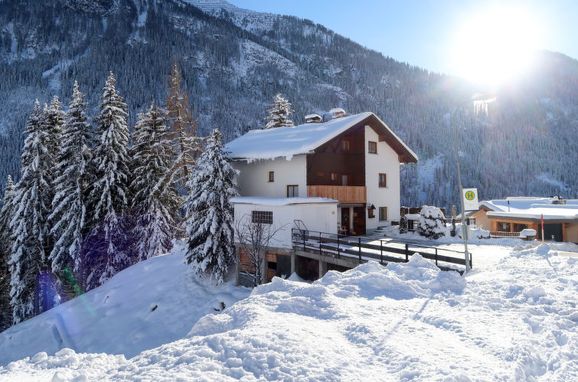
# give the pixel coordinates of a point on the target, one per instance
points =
(496, 45)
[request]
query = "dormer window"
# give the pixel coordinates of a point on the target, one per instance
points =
(372, 147)
(271, 176)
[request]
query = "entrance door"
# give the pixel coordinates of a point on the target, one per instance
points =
(359, 220)
(553, 232)
(345, 219)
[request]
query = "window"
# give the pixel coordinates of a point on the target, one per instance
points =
(382, 214)
(344, 180)
(271, 176)
(345, 145)
(382, 180)
(263, 217)
(372, 146)
(334, 177)
(292, 191)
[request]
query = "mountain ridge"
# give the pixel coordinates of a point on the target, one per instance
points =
(235, 60)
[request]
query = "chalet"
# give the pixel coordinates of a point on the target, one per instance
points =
(337, 174)
(504, 217)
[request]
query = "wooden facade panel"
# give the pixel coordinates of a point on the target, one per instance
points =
(344, 194)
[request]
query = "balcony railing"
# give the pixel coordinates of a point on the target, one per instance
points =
(344, 194)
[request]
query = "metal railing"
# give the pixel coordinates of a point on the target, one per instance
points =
(384, 251)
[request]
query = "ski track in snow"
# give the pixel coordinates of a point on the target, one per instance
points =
(514, 318)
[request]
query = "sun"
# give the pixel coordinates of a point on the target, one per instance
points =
(496, 45)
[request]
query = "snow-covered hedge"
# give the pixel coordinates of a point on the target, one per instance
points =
(431, 222)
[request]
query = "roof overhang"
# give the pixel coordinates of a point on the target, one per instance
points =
(405, 154)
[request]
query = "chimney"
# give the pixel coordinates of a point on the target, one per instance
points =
(337, 112)
(313, 118)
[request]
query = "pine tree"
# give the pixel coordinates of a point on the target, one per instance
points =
(53, 124)
(5, 249)
(69, 215)
(107, 251)
(279, 113)
(29, 223)
(155, 202)
(183, 127)
(210, 212)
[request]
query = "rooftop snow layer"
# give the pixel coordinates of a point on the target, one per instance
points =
(289, 141)
(261, 201)
(532, 208)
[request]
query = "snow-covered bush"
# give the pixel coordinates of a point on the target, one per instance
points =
(475, 233)
(431, 222)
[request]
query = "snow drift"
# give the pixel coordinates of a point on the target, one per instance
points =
(513, 320)
(149, 304)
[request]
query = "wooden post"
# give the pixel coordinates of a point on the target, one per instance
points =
(381, 252)
(320, 253)
(436, 256)
(337, 245)
(359, 246)
(406, 253)
(293, 262)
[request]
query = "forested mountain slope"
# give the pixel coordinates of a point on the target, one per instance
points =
(234, 61)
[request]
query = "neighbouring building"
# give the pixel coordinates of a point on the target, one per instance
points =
(338, 175)
(513, 214)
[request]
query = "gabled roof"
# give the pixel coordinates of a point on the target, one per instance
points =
(304, 139)
(531, 208)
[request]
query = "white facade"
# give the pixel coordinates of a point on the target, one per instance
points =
(317, 214)
(253, 178)
(386, 162)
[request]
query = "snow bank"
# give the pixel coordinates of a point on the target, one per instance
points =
(149, 304)
(514, 319)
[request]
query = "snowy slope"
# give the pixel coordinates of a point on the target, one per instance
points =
(514, 319)
(146, 305)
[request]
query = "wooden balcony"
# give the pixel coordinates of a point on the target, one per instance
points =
(344, 194)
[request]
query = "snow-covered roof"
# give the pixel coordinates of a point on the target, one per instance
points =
(532, 208)
(303, 139)
(264, 201)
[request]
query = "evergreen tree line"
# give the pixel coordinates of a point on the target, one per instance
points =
(93, 198)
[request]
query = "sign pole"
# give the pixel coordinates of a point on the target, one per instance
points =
(464, 225)
(542, 222)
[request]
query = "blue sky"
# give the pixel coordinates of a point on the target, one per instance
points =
(421, 32)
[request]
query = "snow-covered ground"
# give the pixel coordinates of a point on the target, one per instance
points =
(149, 304)
(513, 318)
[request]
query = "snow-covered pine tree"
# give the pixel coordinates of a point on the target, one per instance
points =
(106, 251)
(5, 250)
(29, 223)
(53, 124)
(279, 113)
(210, 213)
(69, 214)
(155, 202)
(183, 127)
